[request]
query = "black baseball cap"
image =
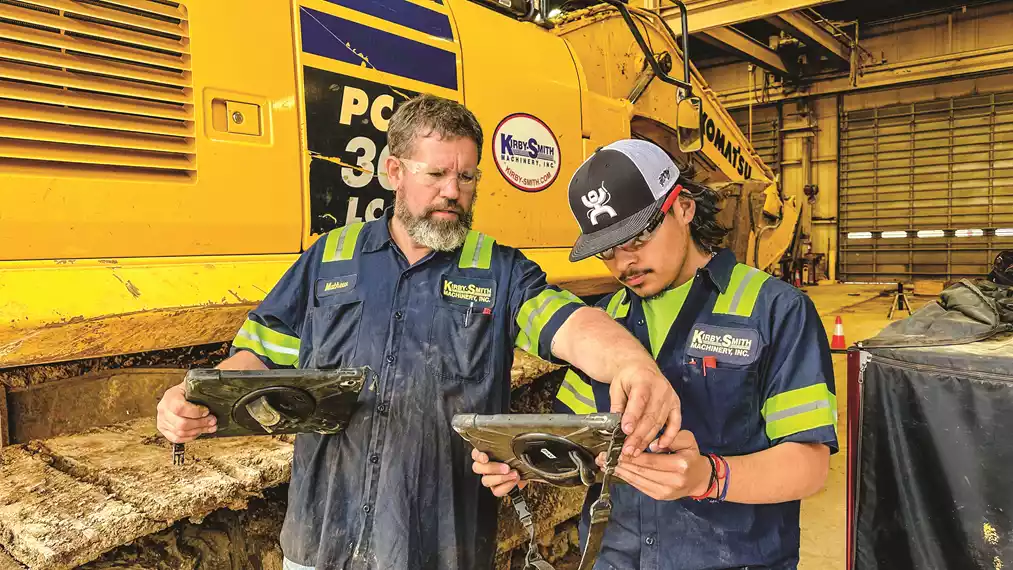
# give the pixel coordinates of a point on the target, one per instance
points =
(616, 193)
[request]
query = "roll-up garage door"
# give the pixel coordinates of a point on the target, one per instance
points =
(926, 189)
(765, 132)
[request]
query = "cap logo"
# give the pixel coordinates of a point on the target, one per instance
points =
(665, 176)
(596, 201)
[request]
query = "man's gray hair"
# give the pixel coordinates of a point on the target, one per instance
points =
(427, 115)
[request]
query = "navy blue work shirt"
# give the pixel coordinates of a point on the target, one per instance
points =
(769, 380)
(395, 491)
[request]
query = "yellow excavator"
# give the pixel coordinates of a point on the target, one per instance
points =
(163, 162)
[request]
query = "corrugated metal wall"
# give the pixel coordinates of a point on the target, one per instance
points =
(926, 188)
(766, 137)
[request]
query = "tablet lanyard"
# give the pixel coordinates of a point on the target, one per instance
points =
(600, 512)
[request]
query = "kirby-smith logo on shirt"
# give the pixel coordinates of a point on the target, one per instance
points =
(464, 291)
(735, 345)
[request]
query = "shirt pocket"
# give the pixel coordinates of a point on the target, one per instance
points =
(334, 332)
(458, 351)
(728, 395)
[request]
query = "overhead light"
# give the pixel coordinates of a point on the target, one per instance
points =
(859, 235)
(894, 235)
(1004, 232)
(555, 12)
(969, 233)
(931, 233)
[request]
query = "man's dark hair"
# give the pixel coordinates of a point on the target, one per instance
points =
(705, 229)
(426, 115)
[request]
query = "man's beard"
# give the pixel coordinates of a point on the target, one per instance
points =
(440, 235)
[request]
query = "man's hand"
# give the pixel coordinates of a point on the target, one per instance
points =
(667, 476)
(179, 420)
(647, 401)
(496, 476)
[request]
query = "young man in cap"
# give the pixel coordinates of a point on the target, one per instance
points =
(747, 355)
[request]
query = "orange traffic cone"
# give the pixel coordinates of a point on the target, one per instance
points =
(838, 342)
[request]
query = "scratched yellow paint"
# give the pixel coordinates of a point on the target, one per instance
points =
(991, 536)
(52, 310)
(998, 563)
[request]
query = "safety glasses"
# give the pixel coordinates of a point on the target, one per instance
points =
(645, 236)
(436, 177)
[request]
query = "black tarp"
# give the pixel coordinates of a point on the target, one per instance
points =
(934, 484)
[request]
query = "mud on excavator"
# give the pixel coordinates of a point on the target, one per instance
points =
(163, 162)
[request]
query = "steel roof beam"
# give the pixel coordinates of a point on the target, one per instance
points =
(803, 28)
(734, 41)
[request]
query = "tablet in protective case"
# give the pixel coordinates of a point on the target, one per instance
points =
(559, 449)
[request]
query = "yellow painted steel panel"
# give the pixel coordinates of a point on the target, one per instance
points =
(96, 119)
(238, 197)
(44, 151)
(77, 62)
(61, 310)
(112, 15)
(83, 100)
(35, 74)
(148, 6)
(86, 45)
(28, 131)
(18, 14)
(498, 84)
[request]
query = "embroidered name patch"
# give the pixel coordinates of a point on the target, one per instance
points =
(733, 345)
(335, 285)
(466, 291)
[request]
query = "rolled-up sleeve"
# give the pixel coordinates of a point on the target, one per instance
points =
(272, 331)
(799, 400)
(539, 309)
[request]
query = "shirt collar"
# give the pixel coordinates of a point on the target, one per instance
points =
(719, 269)
(376, 234)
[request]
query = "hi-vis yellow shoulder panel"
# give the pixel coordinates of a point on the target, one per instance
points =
(743, 289)
(341, 243)
(476, 252)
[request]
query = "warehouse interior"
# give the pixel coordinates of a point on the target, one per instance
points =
(896, 113)
(169, 161)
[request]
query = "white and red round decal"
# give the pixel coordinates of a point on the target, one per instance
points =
(526, 152)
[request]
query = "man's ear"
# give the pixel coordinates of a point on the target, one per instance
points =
(395, 172)
(685, 209)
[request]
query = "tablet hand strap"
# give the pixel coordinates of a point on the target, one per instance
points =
(600, 510)
(533, 560)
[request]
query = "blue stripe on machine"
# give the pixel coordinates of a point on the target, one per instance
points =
(404, 13)
(343, 40)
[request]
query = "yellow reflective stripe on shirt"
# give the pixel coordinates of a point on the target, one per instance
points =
(743, 290)
(476, 253)
(340, 244)
(576, 394)
(618, 307)
(799, 410)
(279, 348)
(536, 312)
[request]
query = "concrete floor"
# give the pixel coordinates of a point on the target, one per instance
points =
(863, 313)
